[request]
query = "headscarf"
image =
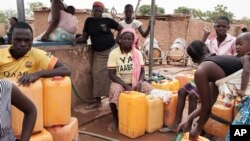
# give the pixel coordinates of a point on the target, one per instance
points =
(98, 3)
(135, 58)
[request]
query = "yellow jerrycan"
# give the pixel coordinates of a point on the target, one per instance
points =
(132, 114)
(57, 101)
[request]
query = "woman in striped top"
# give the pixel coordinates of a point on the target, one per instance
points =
(10, 94)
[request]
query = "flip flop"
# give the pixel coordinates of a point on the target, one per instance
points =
(167, 130)
(93, 106)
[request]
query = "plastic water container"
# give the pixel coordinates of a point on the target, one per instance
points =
(67, 132)
(154, 120)
(44, 135)
(186, 138)
(132, 114)
(57, 101)
(223, 111)
(216, 128)
(170, 111)
(35, 93)
(167, 85)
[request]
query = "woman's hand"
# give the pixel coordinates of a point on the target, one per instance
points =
(183, 126)
(127, 88)
(138, 86)
(240, 93)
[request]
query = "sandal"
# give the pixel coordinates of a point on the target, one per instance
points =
(167, 130)
(93, 105)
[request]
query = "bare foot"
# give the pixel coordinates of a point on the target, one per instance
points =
(113, 126)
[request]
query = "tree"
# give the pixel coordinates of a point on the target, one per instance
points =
(5, 14)
(31, 6)
(209, 16)
(183, 10)
(146, 10)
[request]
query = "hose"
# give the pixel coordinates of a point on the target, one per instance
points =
(97, 135)
(80, 98)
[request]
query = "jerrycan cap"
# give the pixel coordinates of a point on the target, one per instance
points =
(57, 78)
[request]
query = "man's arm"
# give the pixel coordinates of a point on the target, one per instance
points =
(59, 69)
(144, 33)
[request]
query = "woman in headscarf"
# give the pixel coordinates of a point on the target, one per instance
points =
(62, 24)
(102, 40)
(125, 69)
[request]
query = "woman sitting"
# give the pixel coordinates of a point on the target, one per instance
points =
(62, 24)
(125, 69)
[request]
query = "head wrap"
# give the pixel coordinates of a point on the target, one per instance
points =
(135, 57)
(98, 3)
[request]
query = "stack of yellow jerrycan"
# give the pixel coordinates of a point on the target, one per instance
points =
(35, 93)
(57, 109)
(132, 114)
(225, 112)
(154, 117)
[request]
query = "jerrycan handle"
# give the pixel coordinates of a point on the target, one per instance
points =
(57, 78)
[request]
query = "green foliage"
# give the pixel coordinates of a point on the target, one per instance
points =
(209, 16)
(146, 10)
(31, 6)
(5, 14)
(183, 10)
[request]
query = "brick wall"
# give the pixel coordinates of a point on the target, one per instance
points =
(167, 28)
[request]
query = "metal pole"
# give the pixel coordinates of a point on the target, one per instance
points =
(151, 43)
(20, 10)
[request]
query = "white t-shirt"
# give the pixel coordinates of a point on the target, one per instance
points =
(135, 24)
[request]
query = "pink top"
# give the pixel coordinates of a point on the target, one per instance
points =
(68, 22)
(227, 47)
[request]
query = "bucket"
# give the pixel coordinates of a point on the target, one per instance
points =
(177, 50)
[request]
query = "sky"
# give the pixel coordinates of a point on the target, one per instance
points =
(237, 7)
